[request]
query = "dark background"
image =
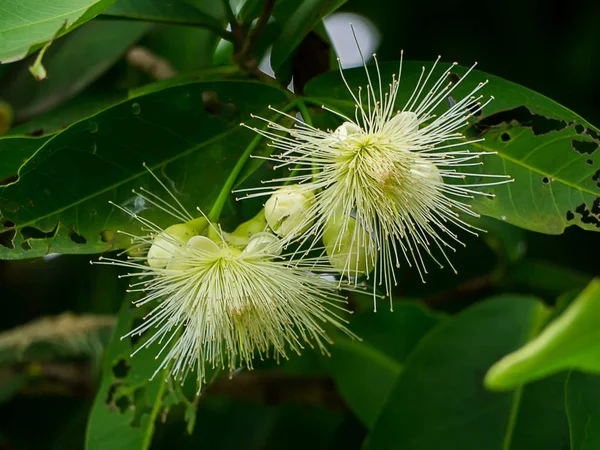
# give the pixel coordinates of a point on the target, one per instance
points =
(552, 47)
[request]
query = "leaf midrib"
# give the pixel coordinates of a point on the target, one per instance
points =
(126, 180)
(30, 24)
(532, 169)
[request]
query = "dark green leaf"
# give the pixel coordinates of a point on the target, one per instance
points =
(28, 24)
(176, 11)
(60, 202)
(544, 146)
(14, 151)
(440, 402)
(582, 399)
(72, 63)
(365, 371)
(127, 403)
(185, 48)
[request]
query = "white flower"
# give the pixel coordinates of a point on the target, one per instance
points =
(218, 304)
(387, 174)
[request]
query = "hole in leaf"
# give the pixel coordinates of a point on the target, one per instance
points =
(545, 180)
(121, 369)
(584, 147)
(35, 233)
(77, 238)
(590, 162)
(579, 129)
(590, 216)
(7, 236)
(112, 390)
(505, 137)
(123, 403)
(522, 116)
(570, 215)
(596, 178)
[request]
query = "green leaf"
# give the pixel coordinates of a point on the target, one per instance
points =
(249, 10)
(545, 147)
(186, 48)
(365, 371)
(72, 63)
(177, 12)
(440, 402)
(14, 152)
(28, 24)
(571, 341)
(188, 133)
(297, 20)
(127, 403)
(582, 397)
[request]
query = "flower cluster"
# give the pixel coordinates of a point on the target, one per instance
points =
(390, 183)
(223, 299)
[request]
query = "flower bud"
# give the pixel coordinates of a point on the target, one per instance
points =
(242, 234)
(169, 244)
(348, 253)
(265, 243)
(407, 122)
(346, 129)
(287, 211)
(427, 170)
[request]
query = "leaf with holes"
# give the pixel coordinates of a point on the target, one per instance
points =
(27, 24)
(189, 134)
(550, 151)
(439, 400)
(128, 403)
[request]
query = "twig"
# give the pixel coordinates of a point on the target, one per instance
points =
(255, 32)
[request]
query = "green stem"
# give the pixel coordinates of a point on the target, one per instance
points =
(304, 111)
(215, 212)
(306, 116)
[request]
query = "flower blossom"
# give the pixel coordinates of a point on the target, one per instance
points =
(222, 304)
(392, 182)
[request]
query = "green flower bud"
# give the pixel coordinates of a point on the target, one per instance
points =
(349, 253)
(168, 244)
(287, 210)
(265, 243)
(242, 234)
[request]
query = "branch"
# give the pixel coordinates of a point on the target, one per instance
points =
(255, 33)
